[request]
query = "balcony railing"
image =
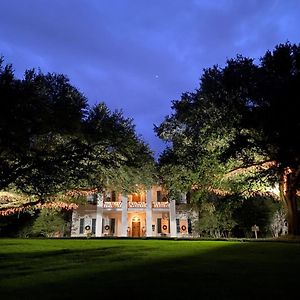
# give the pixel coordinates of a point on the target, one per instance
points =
(112, 204)
(137, 204)
(160, 204)
(109, 204)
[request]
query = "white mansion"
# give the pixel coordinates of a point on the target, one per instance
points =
(146, 214)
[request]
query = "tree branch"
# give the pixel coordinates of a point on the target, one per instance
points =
(264, 165)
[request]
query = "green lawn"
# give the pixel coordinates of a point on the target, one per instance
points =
(145, 269)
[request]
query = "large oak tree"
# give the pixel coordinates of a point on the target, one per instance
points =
(52, 141)
(242, 122)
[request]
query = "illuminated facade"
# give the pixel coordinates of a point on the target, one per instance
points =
(146, 214)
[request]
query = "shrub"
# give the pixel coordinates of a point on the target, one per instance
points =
(49, 223)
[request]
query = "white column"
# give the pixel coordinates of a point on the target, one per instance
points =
(75, 224)
(173, 232)
(149, 214)
(99, 215)
(124, 224)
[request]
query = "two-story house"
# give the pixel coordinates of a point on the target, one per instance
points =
(148, 213)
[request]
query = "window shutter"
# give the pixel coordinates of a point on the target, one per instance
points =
(102, 225)
(81, 225)
(112, 225)
(177, 226)
(159, 225)
(93, 226)
(189, 226)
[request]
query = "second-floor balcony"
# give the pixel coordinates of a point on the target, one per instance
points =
(131, 204)
(110, 204)
(160, 204)
(137, 204)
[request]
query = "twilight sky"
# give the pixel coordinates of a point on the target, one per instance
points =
(139, 55)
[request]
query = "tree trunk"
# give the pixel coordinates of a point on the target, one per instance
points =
(288, 190)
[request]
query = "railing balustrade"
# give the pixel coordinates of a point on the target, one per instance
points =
(160, 204)
(110, 204)
(137, 204)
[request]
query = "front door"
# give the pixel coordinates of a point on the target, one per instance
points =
(136, 229)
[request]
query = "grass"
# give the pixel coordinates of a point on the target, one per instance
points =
(145, 269)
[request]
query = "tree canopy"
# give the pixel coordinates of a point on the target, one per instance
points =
(52, 141)
(238, 132)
